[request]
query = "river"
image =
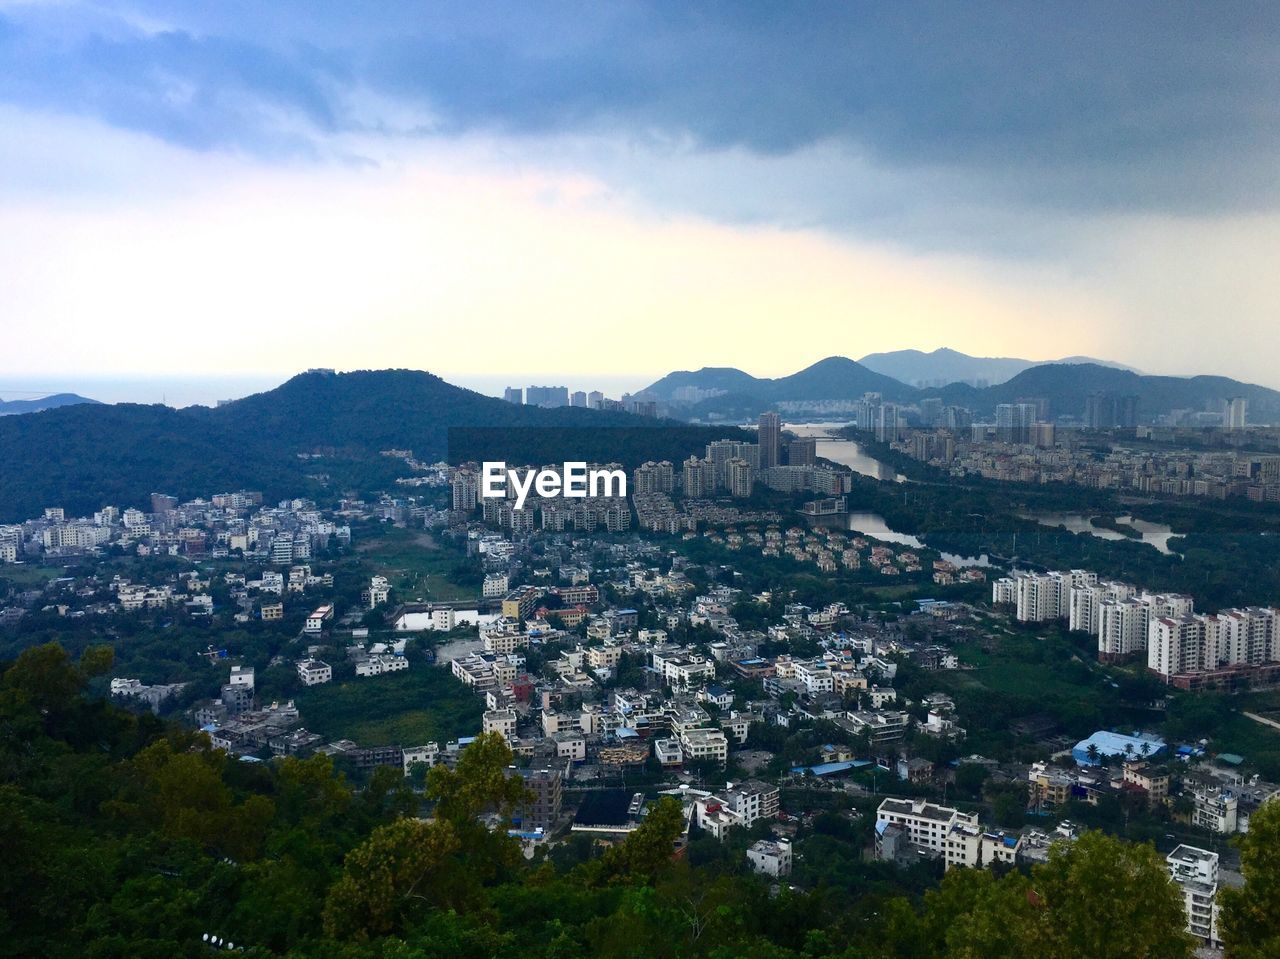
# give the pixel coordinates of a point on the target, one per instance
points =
(1156, 535)
(845, 452)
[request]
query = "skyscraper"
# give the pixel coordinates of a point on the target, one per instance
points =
(770, 439)
(1235, 413)
(802, 451)
(1014, 422)
(513, 394)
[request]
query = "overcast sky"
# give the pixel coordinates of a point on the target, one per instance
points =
(619, 189)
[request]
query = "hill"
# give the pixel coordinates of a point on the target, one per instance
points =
(711, 378)
(51, 402)
(317, 432)
(944, 365)
(833, 378)
(1065, 386)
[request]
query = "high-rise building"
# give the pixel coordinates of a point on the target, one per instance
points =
(770, 439)
(547, 396)
(1014, 422)
(595, 399)
(579, 398)
(1236, 413)
(513, 394)
(740, 478)
(802, 451)
(466, 490)
(697, 477)
(887, 423)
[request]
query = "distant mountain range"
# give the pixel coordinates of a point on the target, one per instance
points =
(10, 407)
(942, 366)
(317, 431)
(1065, 388)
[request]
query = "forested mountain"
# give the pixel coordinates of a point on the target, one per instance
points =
(316, 429)
(1065, 386)
(127, 836)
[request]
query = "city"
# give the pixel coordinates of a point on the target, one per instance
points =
(543, 482)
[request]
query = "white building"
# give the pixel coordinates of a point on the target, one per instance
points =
(377, 665)
(313, 672)
(1196, 873)
(770, 858)
(501, 721)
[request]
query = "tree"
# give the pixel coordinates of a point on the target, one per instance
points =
(649, 848)
(399, 871)
(1250, 917)
(1109, 899)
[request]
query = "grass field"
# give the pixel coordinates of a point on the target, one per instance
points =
(418, 567)
(27, 575)
(421, 705)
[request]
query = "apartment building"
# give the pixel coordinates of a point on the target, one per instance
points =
(1195, 871)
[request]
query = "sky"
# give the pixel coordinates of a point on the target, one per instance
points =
(601, 193)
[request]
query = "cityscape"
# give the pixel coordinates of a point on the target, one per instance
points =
(787, 483)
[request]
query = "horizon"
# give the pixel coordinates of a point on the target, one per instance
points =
(178, 391)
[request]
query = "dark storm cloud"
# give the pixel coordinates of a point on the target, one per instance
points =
(1172, 107)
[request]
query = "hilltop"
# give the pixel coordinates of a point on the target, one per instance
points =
(317, 431)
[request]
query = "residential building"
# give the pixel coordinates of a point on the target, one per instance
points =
(770, 857)
(313, 672)
(1196, 873)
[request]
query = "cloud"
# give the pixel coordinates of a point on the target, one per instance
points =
(1093, 107)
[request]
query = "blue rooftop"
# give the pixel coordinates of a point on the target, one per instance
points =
(1137, 746)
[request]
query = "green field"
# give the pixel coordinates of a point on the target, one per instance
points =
(26, 575)
(421, 705)
(419, 568)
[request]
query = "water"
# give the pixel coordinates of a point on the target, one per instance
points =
(1156, 535)
(874, 525)
(845, 452)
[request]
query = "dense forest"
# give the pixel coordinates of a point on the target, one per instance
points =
(316, 432)
(124, 836)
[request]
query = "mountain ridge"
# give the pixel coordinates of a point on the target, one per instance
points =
(945, 365)
(314, 432)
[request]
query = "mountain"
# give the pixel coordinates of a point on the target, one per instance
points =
(317, 431)
(836, 377)
(711, 378)
(942, 366)
(1065, 387)
(51, 402)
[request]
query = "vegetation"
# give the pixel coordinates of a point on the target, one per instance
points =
(126, 837)
(408, 708)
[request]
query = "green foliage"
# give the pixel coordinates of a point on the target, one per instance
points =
(1250, 916)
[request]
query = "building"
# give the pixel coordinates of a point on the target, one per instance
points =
(501, 721)
(1215, 809)
(1196, 873)
(802, 451)
(925, 825)
(770, 857)
(377, 665)
(770, 439)
(513, 394)
(317, 619)
(543, 812)
(519, 603)
(1104, 745)
(313, 672)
